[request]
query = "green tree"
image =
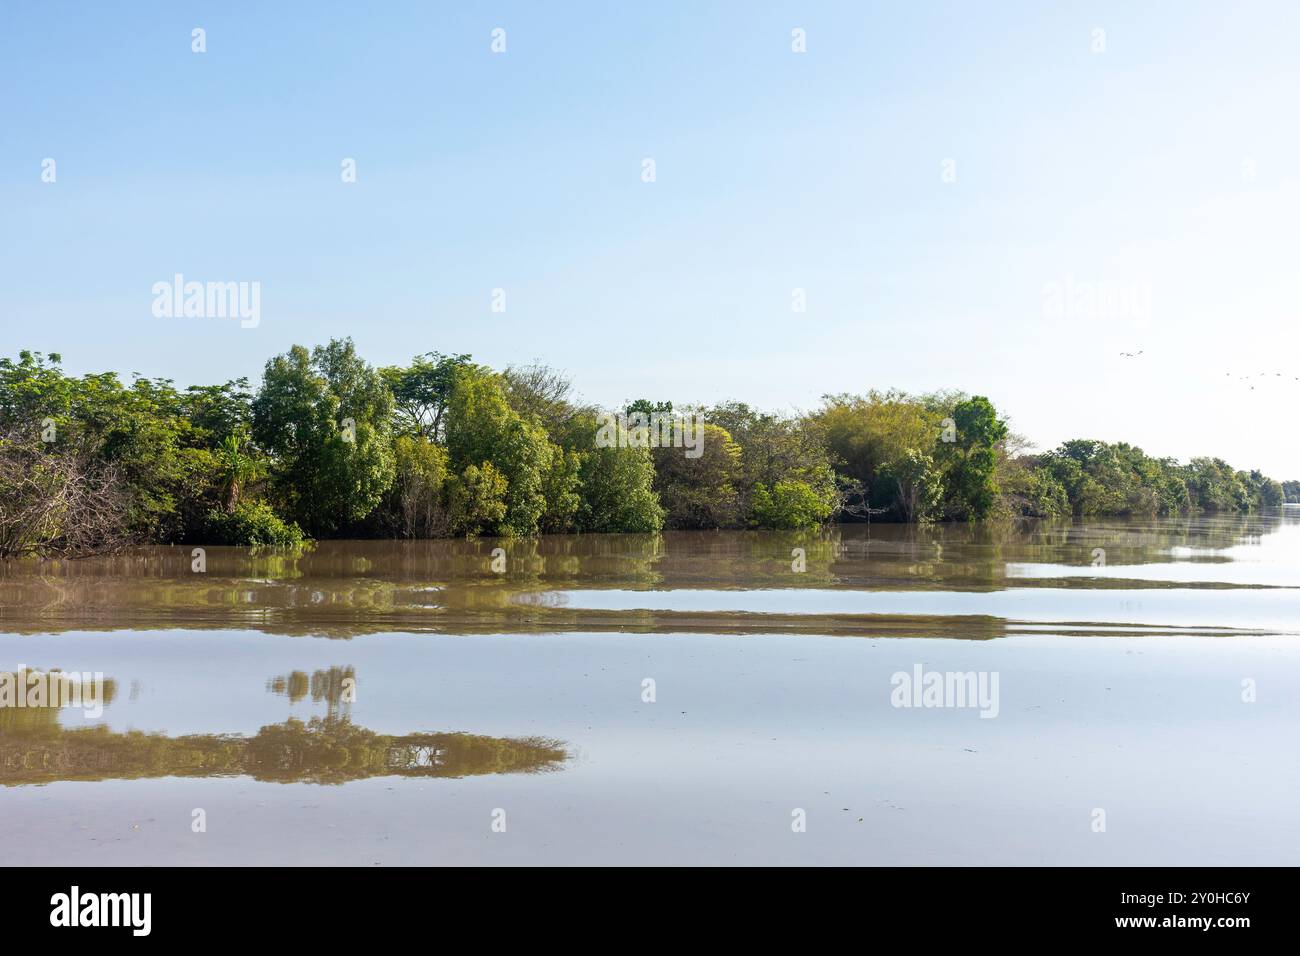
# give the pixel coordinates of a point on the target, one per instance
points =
(919, 484)
(869, 437)
(238, 468)
(1212, 485)
(561, 488)
(775, 450)
(700, 492)
(618, 490)
(422, 391)
(477, 499)
(540, 393)
(416, 505)
(325, 417)
(1033, 491)
(970, 462)
(483, 428)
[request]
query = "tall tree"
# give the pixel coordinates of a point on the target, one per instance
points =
(971, 457)
(325, 417)
(421, 392)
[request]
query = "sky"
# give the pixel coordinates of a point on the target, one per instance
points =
(1001, 198)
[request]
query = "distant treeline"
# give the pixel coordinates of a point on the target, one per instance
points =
(330, 446)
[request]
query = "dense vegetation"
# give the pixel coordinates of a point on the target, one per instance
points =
(330, 446)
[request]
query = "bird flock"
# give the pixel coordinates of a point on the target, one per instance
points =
(1240, 378)
(1263, 375)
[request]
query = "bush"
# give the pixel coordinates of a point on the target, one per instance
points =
(790, 505)
(252, 523)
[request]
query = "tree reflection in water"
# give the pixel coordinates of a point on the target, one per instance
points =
(36, 749)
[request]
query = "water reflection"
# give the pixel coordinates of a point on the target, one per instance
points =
(35, 748)
(345, 588)
(335, 687)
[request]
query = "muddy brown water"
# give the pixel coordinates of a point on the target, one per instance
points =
(1092, 691)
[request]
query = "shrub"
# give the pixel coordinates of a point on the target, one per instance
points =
(790, 505)
(252, 523)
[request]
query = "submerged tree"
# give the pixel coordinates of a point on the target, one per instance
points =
(59, 501)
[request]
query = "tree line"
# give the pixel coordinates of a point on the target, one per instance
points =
(330, 446)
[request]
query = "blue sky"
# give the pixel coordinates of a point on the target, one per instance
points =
(1163, 171)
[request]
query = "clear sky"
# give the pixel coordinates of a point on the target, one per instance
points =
(1141, 197)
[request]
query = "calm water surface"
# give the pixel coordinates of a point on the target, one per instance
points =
(387, 703)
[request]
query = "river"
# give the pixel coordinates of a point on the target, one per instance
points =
(1095, 691)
